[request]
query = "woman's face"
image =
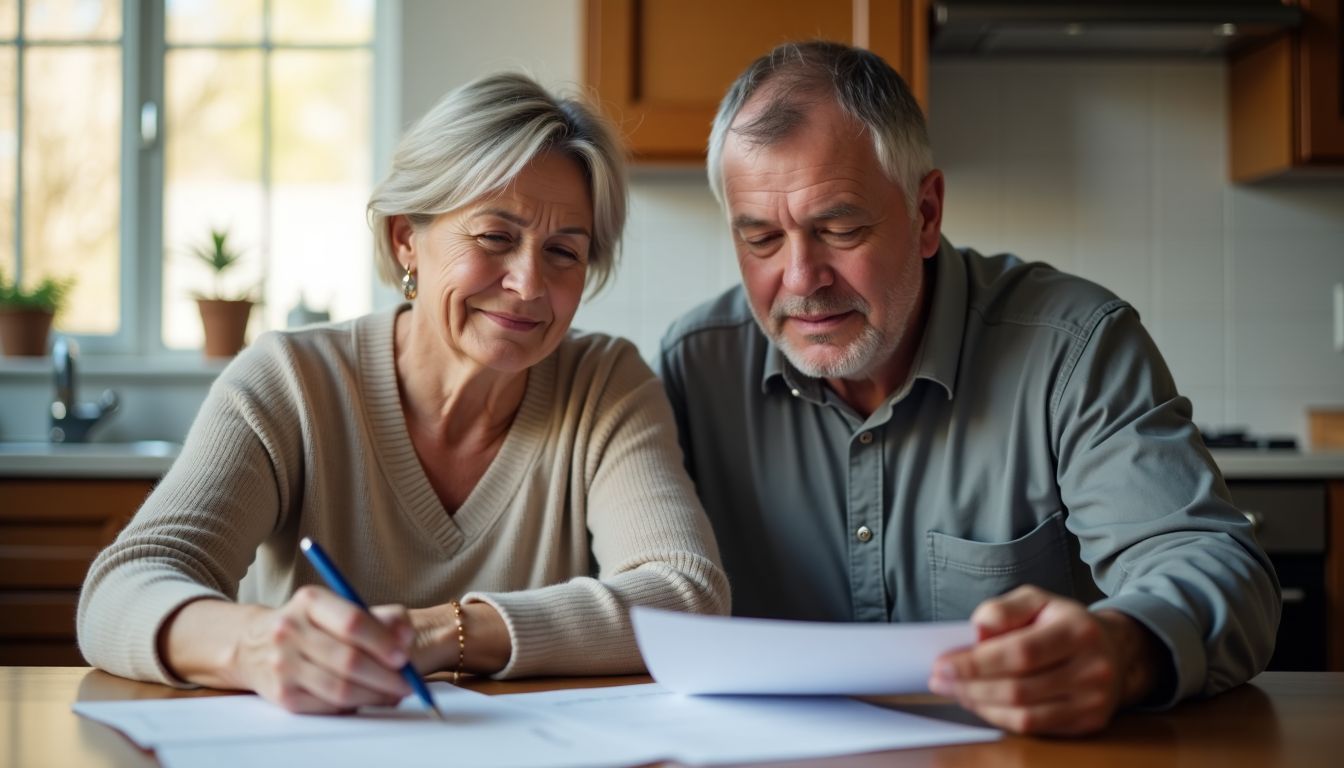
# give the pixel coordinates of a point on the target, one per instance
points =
(500, 278)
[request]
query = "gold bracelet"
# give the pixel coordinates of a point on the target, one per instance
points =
(461, 641)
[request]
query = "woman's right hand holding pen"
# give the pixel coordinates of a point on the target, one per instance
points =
(318, 653)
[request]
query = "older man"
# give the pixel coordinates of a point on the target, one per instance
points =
(885, 428)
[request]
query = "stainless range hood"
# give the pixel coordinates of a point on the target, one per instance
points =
(1159, 27)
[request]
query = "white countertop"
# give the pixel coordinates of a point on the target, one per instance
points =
(1249, 464)
(152, 458)
(148, 459)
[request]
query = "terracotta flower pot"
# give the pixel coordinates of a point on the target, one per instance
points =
(23, 332)
(225, 323)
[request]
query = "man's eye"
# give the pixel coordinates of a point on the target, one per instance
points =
(842, 234)
(763, 240)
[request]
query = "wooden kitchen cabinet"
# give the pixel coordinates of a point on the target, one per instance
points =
(660, 67)
(50, 531)
(1286, 99)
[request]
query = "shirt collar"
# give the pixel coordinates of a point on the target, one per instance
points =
(939, 351)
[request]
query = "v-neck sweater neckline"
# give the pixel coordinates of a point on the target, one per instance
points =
(401, 464)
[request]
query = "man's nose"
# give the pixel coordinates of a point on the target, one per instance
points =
(806, 270)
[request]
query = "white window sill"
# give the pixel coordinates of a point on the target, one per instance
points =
(189, 367)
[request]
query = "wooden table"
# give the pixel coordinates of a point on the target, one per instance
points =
(1279, 719)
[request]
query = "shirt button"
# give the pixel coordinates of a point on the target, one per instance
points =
(793, 392)
(864, 533)
(866, 438)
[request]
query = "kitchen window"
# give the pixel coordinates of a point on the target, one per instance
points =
(130, 128)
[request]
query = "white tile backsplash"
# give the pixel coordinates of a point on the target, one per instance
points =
(1116, 170)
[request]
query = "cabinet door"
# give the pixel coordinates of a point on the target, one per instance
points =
(1321, 83)
(1286, 98)
(660, 67)
(50, 530)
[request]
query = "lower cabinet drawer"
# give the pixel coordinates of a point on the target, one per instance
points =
(38, 615)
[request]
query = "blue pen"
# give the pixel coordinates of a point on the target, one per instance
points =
(340, 586)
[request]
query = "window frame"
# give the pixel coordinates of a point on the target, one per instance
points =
(144, 50)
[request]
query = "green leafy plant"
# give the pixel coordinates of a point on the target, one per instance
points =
(220, 256)
(49, 295)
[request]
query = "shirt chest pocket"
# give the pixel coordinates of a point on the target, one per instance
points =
(963, 573)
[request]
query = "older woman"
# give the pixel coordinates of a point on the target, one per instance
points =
(518, 486)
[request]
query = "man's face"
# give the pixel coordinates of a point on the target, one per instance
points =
(830, 256)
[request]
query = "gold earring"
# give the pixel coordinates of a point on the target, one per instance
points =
(408, 286)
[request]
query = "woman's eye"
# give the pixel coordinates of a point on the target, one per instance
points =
(494, 238)
(565, 253)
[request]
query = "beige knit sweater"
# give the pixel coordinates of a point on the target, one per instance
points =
(585, 511)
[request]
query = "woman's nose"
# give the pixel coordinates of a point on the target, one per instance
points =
(524, 274)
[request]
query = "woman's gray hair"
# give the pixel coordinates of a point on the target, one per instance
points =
(862, 84)
(477, 139)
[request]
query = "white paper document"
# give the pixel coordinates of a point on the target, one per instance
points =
(705, 730)
(247, 731)
(689, 653)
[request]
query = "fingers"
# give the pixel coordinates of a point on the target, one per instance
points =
(319, 653)
(1056, 674)
(1013, 610)
(352, 625)
(1029, 649)
(1066, 717)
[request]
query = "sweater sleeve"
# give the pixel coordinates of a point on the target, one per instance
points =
(195, 535)
(651, 539)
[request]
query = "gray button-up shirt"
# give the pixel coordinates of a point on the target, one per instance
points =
(1039, 440)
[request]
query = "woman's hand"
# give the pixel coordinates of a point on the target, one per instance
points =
(317, 653)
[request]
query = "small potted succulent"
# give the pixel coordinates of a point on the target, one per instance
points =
(26, 314)
(223, 317)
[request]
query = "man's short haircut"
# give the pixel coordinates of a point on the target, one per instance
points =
(476, 141)
(794, 75)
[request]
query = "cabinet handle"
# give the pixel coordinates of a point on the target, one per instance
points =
(1294, 595)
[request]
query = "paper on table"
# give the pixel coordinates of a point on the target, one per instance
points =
(703, 730)
(245, 730)
(689, 653)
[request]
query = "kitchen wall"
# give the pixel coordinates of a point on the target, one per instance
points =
(1113, 169)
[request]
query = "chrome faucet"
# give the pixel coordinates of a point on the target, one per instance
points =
(71, 420)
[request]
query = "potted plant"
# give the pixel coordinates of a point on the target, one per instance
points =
(26, 314)
(224, 318)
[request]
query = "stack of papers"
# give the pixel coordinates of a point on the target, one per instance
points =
(596, 727)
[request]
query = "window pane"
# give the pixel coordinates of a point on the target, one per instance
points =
(212, 179)
(71, 179)
(9, 148)
(321, 243)
(209, 21)
(9, 19)
(322, 21)
(72, 19)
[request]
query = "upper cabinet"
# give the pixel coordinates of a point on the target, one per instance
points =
(660, 67)
(1286, 98)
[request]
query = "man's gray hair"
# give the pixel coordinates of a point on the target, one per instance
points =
(477, 139)
(864, 86)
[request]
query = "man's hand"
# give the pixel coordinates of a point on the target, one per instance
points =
(1045, 664)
